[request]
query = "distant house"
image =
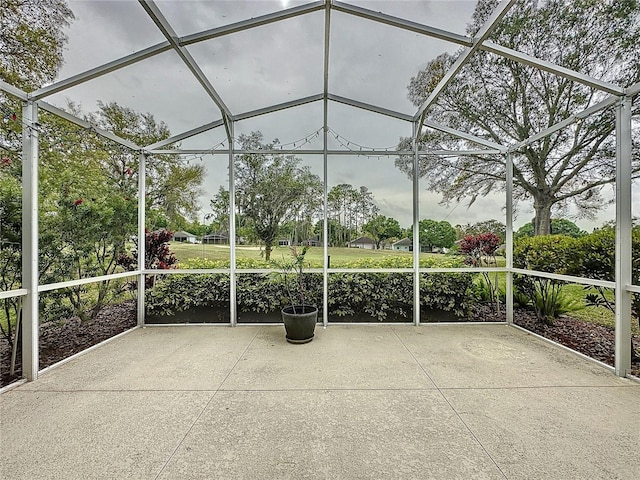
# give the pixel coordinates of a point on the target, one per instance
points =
(185, 237)
(312, 242)
(284, 242)
(404, 245)
(362, 242)
(216, 238)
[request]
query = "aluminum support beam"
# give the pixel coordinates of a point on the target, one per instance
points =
(509, 236)
(101, 70)
(623, 238)
(369, 107)
(233, 310)
(632, 90)
(351, 153)
(325, 167)
(84, 124)
(416, 225)
(142, 236)
(495, 18)
(30, 267)
(188, 134)
(402, 23)
(165, 27)
(607, 102)
(293, 151)
(239, 117)
(277, 107)
(552, 68)
(252, 23)
(463, 135)
(15, 91)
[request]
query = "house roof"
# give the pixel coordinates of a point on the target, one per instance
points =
(404, 242)
(363, 240)
(182, 233)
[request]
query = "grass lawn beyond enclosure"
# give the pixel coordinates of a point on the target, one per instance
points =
(344, 257)
(339, 256)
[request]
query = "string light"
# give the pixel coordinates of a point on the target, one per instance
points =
(356, 147)
(296, 144)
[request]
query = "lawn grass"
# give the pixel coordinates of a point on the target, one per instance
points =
(338, 256)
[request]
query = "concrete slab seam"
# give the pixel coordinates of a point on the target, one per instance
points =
(444, 397)
(175, 450)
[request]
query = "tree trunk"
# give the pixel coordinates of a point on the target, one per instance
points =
(542, 220)
(267, 251)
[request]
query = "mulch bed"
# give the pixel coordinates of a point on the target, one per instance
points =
(59, 340)
(593, 340)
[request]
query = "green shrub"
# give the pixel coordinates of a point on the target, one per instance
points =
(449, 292)
(380, 295)
(545, 253)
(596, 252)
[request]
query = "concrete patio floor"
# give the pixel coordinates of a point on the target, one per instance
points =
(359, 402)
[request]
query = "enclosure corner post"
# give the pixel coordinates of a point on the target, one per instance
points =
(623, 237)
(142, 236)
(30, 273)
(509, 237)
(416, 226)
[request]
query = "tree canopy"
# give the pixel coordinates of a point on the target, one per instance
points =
(559, 226)
(382, 228)
(434, 234)
(32, 41)
(506, 101)
(271, 190)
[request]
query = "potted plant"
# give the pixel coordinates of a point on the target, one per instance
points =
(299, 318)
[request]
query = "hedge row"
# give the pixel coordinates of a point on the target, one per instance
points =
(382, 296)
(589, 256)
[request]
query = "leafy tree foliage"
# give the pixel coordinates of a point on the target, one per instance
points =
(488, 226)
(351, 208)
(480, 251)
(559, 226)
(173, 186)
(32, 41)
(272, 190)
(10, 233)
(506, 102)
(545, 253)
(382, 228)
(436, 234)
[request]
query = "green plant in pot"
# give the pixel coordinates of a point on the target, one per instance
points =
(299, 318)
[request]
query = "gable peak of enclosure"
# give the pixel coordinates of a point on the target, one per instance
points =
(380, 80)
(202, 66)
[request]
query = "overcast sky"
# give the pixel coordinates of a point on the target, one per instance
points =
(369, 62)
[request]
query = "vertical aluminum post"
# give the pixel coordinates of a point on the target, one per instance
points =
(30, 273)
(233, 311)
(325, 193)
(416, 226)
(142, 235)
(325, 225)
(509, 236)
(623, 237)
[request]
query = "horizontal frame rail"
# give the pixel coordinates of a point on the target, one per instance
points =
(84, 281)
(20, 292)
(566, 278)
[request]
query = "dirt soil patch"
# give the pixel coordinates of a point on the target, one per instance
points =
(60, 340)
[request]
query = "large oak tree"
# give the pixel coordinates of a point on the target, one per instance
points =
(506, 102)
